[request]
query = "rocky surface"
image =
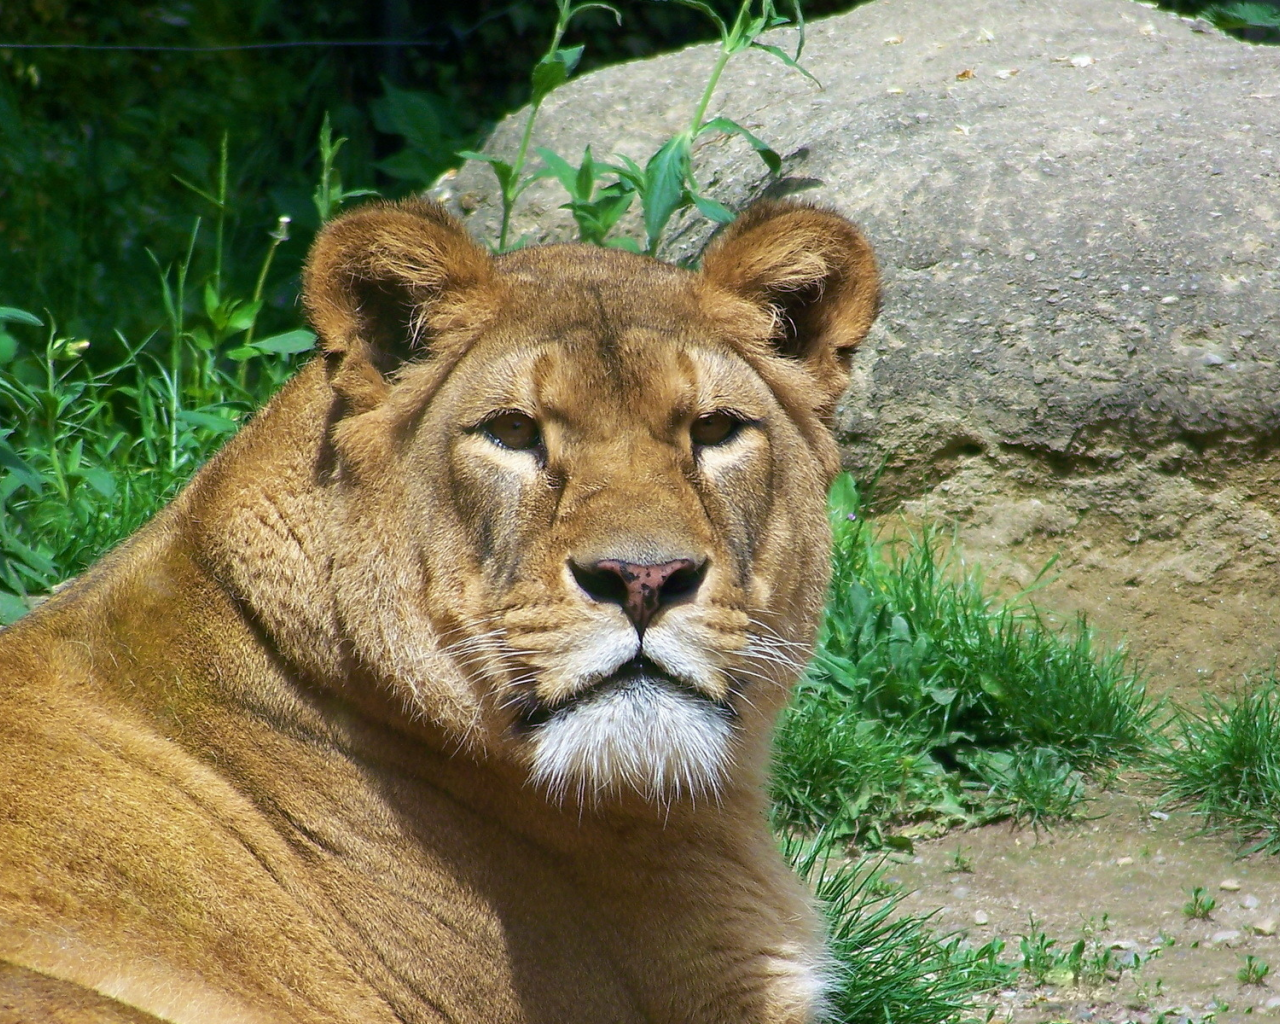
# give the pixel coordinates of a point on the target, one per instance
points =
(1077, 208)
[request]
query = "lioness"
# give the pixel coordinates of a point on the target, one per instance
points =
(444, 692)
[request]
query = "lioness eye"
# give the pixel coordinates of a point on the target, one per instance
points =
(714, 428)
(514, 430)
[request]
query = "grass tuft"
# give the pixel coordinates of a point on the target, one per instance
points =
(1223, 761)
(890, 968)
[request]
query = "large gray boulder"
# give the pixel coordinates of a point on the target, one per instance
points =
(1077, 209)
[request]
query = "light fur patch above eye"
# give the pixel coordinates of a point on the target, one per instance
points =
(644, 737)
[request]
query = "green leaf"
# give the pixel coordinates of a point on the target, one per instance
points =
(900, 843)
(569, 57)
(14, 463)
(32, 559)
(12, 608)
(800, 29)
(242, 316)
(100, 480)
(664, 187)
(218, 424)
(723, 124)
(787, 59)
(502, 170)
(8, 347)
(563, 171)
(712, 210)
(552, 72)
(212, 302)
(990, 685)
(8, 314)
(630, 173)
(627, 244)
(586, 180)
(287, 344)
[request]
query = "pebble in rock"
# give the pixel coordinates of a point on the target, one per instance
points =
(1272, 1004)
(1229, 885)
(1267, 926)
(1123, 862)
(960, 892)
(1224, 937)
(980, 917)
(1250, 902)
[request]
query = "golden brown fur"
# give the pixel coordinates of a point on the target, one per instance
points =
(359, 728)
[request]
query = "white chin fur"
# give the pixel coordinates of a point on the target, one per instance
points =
(644, 737)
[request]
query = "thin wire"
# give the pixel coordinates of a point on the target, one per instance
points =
(216, 49)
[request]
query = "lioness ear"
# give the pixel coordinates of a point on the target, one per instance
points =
(378, 284)
(814, 273)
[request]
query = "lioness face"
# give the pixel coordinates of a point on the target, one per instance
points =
(632, 462)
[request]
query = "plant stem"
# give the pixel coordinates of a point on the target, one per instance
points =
(222, 217)
(277, 236)
(509, 193)
(712, 82)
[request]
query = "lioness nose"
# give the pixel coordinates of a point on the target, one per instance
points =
(640, 589)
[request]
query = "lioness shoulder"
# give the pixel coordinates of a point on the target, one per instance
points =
(444, 692)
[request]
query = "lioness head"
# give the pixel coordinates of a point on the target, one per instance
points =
(583, 490)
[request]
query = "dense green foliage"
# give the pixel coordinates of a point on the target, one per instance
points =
(929, 701)
(107, 156)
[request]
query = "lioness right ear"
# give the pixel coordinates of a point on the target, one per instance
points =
(813, 274)
(380, 282)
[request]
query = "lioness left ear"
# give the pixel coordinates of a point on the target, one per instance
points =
(814, 273)
(380, 282)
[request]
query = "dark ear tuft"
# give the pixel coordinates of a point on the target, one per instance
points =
(377, 276)
(813, 270)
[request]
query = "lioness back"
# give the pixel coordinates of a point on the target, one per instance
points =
(444, 692)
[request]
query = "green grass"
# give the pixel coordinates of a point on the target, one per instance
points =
(929, 700)
(93, 453)
(891, 967)
(1223, 761)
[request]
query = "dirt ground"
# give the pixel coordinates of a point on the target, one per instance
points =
(1122, 878)
(1198, 608)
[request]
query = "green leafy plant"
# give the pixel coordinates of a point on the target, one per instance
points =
(1253, 971)
(1201, 905)
(551, 72)
(1035, 785)
(1040, 959)
(667, 183)
(600, 193)
(330, 195)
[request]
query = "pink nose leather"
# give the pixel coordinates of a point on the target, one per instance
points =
(643, 585)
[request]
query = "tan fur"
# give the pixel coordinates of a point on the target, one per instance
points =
(286, 755)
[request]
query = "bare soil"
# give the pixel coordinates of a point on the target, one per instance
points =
(1122, 877)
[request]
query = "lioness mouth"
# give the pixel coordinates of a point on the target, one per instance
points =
(638, 674)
